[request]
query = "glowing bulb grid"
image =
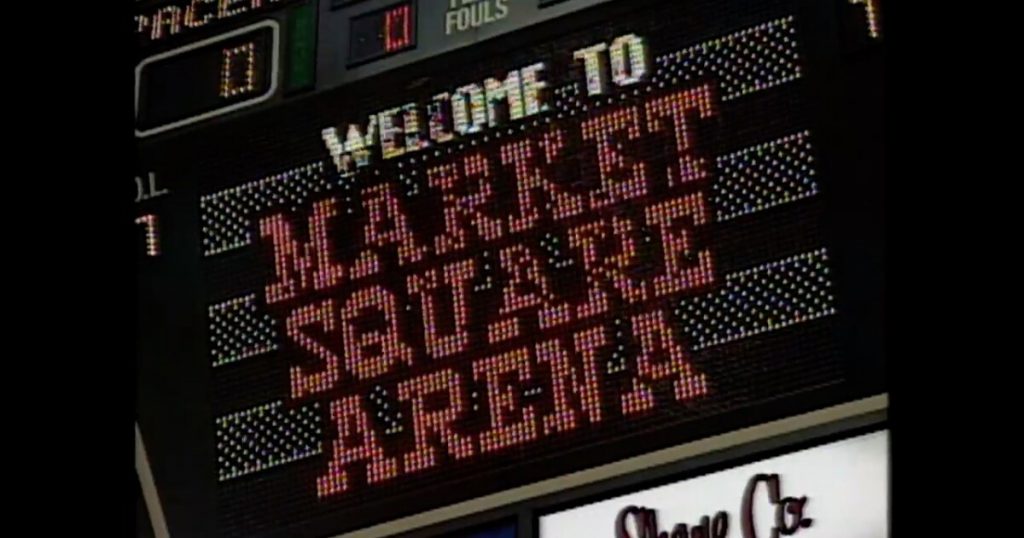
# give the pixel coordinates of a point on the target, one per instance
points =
(755, 301)
(266, 436)
(745, 62)
(764, 176)
(239, 331)
(761, 299)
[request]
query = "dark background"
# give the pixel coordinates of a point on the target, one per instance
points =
(921, 42)
(843, 70)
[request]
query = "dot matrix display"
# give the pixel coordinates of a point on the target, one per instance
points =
(552, 258)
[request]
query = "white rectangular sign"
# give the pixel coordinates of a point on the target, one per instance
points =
(839, 490)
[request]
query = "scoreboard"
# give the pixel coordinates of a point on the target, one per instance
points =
(397, 255)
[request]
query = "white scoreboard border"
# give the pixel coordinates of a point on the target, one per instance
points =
(149, 494)
(593, 475)
(274, 69)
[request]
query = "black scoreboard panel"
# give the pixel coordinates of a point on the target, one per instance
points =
(242, 57)
(640, 225)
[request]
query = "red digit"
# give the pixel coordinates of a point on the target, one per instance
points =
(398, 29)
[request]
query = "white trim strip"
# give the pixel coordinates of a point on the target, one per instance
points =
(149, 494)
(628, 466)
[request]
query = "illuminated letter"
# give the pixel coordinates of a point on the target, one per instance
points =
(636, 59)
(350, 421)
(300, 267)
(392, 139)
(532, 179)
(357, 150)
(169, 16)
(621, 179)
(193, 9)
(511, 91)
(471, 206)
(458, 277)
(321, 315)
(342, 161)
(415, 136)
(603, 269)
(569, 381)
(617, 267)
(479, 166)
(470, 109)
(361, 146)
(585, 239)
(595, 66)
(528, 181)
(386, 225)
(674, 107)
(431, 424)
(534, 89)
(386, 341)
(511, 423)
(526, 288)
(440, 118)
(291, 260)
(657, 342)
(224, 8)
(682, 272)
(142, 22)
